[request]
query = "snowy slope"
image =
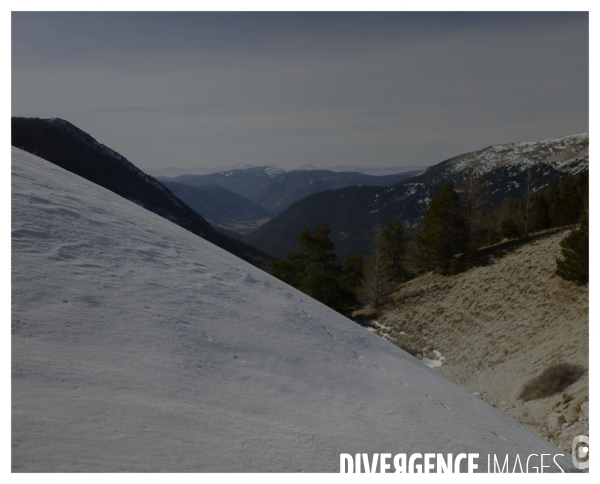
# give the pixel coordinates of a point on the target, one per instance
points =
(569, 154)
(137, 346)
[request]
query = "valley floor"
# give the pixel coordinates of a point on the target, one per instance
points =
(495, 327)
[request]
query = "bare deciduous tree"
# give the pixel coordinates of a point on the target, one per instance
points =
(375, 285)
(476, 200)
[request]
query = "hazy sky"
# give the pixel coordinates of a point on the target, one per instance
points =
(371, 89)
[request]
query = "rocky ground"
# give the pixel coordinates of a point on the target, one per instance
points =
(495, 327)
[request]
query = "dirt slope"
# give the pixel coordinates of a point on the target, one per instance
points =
(496, 327)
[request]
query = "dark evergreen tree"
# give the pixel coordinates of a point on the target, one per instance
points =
(314, 270)
(488, 236)
(539, 214)
(444, 233)
(352, 271)
(510, 229)
(562, 202)
(568, 204)
(574, 265)
(290, 272)
(320, 271)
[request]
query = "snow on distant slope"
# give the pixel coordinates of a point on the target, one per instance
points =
(569, 153)
(173, 171)
(137, 346)
(366, 170)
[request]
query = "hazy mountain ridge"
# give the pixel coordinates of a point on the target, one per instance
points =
(365, 170)
(174, 171)
(221, 207)
(65, 145)
(276, 190)
(359, 209)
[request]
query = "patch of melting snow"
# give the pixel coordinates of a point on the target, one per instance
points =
(437, 362)
(380, 326)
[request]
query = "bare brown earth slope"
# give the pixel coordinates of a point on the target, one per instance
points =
(495, 327)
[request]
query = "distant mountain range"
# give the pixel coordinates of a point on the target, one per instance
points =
(275, 190)
(65, 145)
(173, 171)
(366, 170)
(353, 212)
(243, 200)
(226, 210)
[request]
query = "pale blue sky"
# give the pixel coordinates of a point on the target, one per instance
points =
(370, 89)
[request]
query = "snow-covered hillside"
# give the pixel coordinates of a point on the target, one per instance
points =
(569, 154)
(137, 346)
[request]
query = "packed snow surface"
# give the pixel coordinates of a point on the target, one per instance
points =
(137, 346)
(435, 362)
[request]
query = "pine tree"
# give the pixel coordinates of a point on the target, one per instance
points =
(289, 272)
(320, 269)
(574, 265)
(568, 202)
(376, 284)
(444, 233)
(314, 270)
(352, 271)
(395, 246)
(539, 214)
(510, 229)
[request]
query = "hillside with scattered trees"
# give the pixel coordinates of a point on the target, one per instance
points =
(484, 178)
(452, 237)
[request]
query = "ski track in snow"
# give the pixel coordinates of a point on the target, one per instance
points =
(137, 346)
